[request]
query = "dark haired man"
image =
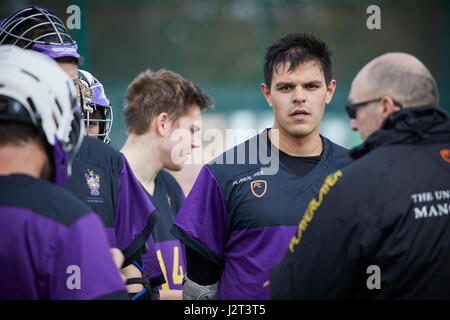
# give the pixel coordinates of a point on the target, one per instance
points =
(382, 228)
(163, 115)
(239, 217)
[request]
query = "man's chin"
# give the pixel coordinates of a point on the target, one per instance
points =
(298, 133)
(173, 167)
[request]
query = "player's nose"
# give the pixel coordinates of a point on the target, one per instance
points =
(298, 95)
(195, 144)
(354, 124)
(196, 140)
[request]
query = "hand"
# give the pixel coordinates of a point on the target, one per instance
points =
(170, 294)
(266, 284)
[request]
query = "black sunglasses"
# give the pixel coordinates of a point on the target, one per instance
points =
(351, 108)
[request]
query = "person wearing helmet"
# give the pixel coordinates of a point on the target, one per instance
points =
(53, 246)
(38, 29)
(97, 110)
(102, 176)
(98, 116)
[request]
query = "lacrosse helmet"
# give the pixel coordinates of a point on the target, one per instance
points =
(96, 106)
(38, 28)
(35, 90)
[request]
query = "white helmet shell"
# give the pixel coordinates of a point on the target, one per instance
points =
(46, 92)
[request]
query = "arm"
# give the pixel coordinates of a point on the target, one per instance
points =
(134, 216)
(170, 294)
(134, 219)
(202, 224)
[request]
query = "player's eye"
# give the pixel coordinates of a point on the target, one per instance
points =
(311, 86)
(285, 88)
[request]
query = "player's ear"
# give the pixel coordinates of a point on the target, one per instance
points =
(387, 106)
(162, 124)
(266, 92)
(330, 91)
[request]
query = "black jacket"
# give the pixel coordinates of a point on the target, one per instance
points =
(385, 215)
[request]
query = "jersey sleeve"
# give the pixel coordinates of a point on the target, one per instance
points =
(81, 266)
(202, 222)
(134, 214)
(152, 266)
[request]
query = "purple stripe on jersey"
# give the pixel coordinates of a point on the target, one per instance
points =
(197, 215)
(41, 258)
(133, 208)
(172, 253)
(249, 255)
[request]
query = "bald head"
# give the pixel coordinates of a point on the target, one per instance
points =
(399, 75)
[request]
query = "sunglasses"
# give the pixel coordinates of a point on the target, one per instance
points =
(351, 108)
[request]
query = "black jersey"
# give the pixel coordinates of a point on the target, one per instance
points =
(167, 198)
(241, 217)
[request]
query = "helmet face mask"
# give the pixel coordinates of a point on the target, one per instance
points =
(97, 110)
(37, 91)
(38, 29)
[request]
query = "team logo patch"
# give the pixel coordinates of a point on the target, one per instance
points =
(445, 154)
(93, 182)
(258, 187)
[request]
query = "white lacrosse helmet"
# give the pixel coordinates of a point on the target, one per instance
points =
(34, 89)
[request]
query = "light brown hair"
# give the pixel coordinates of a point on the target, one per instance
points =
(152, 93)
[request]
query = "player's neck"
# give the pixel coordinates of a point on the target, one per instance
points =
(307, 146)
(142, 154)
(28, 159)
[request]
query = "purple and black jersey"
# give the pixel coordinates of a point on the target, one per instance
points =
(52, 245)
(243, 219)
(103, 179)
(167, 198)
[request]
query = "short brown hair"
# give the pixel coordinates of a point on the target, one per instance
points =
(152, 93)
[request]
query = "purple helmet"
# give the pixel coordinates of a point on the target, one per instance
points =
(38, 28)
(96, 106)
